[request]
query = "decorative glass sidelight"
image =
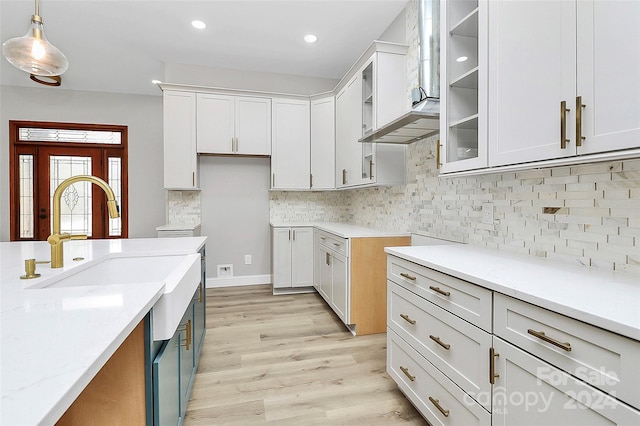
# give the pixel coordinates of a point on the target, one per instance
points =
(26, 196)
(30, 134)
(115, 182)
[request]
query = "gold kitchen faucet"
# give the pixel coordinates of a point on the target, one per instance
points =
(56, 239)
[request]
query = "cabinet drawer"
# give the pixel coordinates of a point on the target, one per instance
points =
(333, 242)
(603, 359)
(463, 351)
(466, 300)
(427, 388)
(522, 396)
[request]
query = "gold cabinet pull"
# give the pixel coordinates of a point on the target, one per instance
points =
(406, 373)
(187, 329)
(407, 276)
(540, 335)
(579, 106)
(344, 176)
(492, 365)
(310, 180)
(327, 258)
(563, 124)
(440, 342)
(193, 178)
(440, 291)
(407, 319)
(438, 162)
(371, 170)
(439, 407)
(336, 244)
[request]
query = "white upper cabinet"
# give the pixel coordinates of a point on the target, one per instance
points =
(323, 139)
(233, 124)
(180, 157)
(463, 121)
(291, 150)
(569, 89)
(608, 74)
(371, 97)
(531, 72)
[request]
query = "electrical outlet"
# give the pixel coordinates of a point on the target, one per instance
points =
(247, 259)
(225, 270)
(487, 213)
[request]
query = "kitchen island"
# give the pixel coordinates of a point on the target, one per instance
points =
(55, 340)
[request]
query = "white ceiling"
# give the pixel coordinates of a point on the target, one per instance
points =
(120, 46)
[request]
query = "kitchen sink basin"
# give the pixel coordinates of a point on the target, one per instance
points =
(121, 270)
(180, 275)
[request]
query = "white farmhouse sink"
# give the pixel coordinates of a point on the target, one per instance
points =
(180, 275)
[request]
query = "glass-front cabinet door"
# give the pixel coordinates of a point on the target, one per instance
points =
(463, 125)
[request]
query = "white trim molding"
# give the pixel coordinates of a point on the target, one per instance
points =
(238, 281)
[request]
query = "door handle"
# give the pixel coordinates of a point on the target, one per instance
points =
(42, 216)
(563, 125)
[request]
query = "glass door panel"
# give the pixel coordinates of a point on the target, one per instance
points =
(75, 205)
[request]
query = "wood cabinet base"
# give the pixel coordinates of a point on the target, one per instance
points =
(369, 282)
(117, 394)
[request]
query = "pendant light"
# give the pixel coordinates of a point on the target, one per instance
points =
(33, 54)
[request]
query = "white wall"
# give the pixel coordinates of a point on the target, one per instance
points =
(396, 32)
(235, 214)
(143, 116)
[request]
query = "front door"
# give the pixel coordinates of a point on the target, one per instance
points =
(38, 167)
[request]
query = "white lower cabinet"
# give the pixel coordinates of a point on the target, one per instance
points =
(532, 392)
(333, 284)
(292, 256)
(464, 354)
(437, 398)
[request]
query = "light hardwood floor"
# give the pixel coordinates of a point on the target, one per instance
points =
(289, 360)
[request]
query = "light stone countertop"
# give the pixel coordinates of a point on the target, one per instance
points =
(343, 229)
(54, 340)
(606, 299)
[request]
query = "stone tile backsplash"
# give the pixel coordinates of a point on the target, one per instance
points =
(587, 214)
(183, 207)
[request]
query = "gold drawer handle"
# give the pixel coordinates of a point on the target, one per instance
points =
(336, 244)
(407, 276)
(406, 373)
(407, 319)
(492, 366)
(563, 125)
(440, 291)
(542, 336)
(440, 342)
(439, 407)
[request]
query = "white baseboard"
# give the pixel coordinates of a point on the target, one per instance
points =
(238, 281)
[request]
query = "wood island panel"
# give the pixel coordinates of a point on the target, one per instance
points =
(116, 395)
(369, 282)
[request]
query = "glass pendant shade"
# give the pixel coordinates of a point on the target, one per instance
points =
(32, 53)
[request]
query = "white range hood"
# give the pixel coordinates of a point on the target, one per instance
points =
(424, 118)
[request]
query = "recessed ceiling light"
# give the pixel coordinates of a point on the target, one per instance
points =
(156, 81)
(310, 38)
(199, 25)
(462, 59)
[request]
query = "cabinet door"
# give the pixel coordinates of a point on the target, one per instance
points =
(531, 71)
(180, 158)
(185, 331)
(340, 287)
(342, 136)
(529, 391)
(609, 74)
(166, 384)
(302, 257)
(324, 282)
(323, 143)
(291, 154)
(215, 123)
(253, 126)
(281, 257)
(199, 321)
(354, 148)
